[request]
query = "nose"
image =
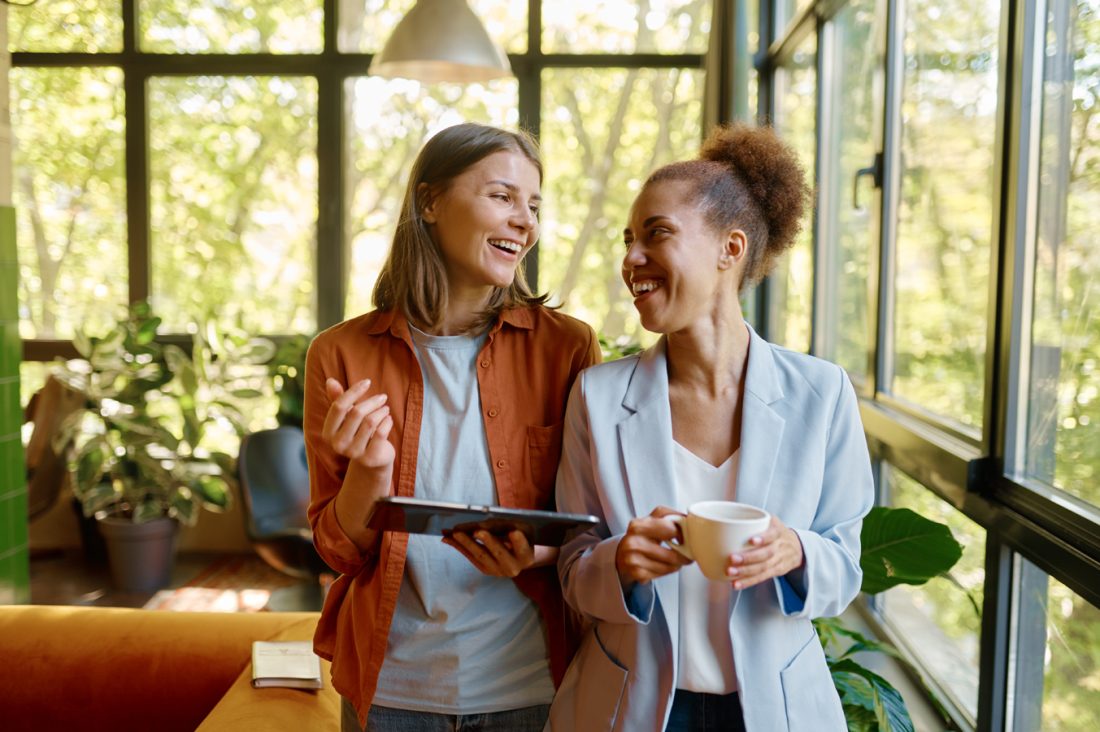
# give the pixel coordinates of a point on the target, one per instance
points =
(524, 219)
(633, 257)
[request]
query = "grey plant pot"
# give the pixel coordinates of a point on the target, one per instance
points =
(142, 555)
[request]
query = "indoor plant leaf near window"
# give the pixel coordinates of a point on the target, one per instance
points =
(142, 460)
(899, 546)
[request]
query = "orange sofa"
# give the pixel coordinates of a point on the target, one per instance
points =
(93, 668)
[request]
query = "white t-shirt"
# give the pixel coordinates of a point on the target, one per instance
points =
(460, 642)
(706, 653)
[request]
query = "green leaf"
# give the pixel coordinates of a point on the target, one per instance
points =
(903, 547)
(247, 393)
(183, 509)
(82, 343)
(96, 497)
(148, 510)
(212, 490)
(884, 699)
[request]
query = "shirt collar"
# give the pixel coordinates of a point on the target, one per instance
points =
(398, 324)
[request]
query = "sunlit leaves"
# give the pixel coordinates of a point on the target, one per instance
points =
(231, 26)
(626, 26)
(69, 196)
(234, 190)
(91, 26)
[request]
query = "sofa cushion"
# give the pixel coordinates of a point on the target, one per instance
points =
(92, 668)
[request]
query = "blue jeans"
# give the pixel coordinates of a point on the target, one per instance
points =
(386, 719)
(695, 712)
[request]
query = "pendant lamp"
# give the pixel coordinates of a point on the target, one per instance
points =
(441, 40)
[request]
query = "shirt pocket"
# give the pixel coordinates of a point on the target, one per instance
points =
(543, 454)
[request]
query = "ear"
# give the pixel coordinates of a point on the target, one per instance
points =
(733, 250)
(426, 203)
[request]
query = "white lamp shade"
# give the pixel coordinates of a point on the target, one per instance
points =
(441, 40)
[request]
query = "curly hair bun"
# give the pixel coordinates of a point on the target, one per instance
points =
(771, 173)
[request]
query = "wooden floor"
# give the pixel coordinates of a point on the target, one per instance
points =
(67, 578)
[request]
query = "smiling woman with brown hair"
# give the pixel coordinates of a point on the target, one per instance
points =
(453, 389)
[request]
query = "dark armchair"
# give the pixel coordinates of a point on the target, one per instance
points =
(275, 492)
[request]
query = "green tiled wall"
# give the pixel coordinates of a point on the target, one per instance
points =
(14, 569)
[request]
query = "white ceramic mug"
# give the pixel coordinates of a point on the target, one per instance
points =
(715, 529)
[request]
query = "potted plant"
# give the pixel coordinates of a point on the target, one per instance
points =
(141, 458)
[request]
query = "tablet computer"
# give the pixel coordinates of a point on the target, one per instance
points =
(419, 516)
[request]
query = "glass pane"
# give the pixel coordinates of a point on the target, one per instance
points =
(785, 12)
(626, 26)
(848, 224)
(1064, 420)
(603, 132)
(940, 621)
(945, 212)
(63, 26)
(792, 280)
(366, 25)
(70, 198)
(1057, 655)
(752, 21)
(231, 26)
(389, 120)
(233, 169)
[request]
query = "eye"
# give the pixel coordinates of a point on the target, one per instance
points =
(535, 211)
(501, 196)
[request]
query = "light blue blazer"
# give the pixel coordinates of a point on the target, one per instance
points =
(803, 458)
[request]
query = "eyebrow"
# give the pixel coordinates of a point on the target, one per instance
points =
(513, 187)
(648, 222)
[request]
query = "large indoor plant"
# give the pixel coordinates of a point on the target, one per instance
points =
(899, 546)
(142, 462)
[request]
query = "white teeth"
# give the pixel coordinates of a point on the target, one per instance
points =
(511, 246)
(640, 288)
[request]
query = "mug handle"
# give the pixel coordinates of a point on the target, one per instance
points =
(681, 546)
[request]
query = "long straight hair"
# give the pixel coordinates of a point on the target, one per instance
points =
(414, 278)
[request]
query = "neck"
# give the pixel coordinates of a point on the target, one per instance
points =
(463, 311)
(710, 355)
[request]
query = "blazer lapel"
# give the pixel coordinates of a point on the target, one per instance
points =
(761, 425)
(645, 434)
(645, 440)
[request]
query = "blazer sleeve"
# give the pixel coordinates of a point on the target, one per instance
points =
(586, 564)
(831, 576)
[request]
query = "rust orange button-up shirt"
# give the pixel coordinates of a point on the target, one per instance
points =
(524, 373)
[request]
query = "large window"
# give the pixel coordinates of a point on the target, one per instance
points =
(230, 166)
(945, 209)
(954, 275)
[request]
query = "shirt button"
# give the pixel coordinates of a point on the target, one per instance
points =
(500, 463)
(493, 412)
(485, 363)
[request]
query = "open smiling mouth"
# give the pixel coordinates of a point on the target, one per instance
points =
(507, 246)
(644, 287)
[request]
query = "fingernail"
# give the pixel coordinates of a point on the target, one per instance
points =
(756, 540)
(737, 558)
(732, 571)
(737, 585)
